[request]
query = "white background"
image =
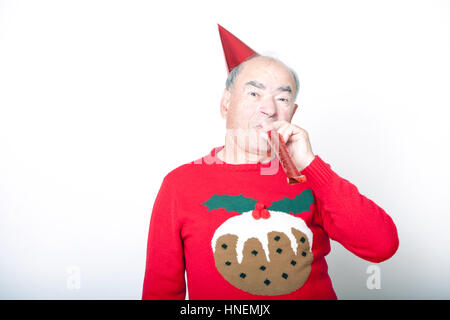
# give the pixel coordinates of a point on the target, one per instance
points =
(99, 100)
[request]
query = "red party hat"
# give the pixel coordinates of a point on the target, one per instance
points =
(234, 49)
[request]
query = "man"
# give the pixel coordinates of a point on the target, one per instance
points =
(231, 220)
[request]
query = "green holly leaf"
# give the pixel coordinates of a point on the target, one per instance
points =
(230, 203)
(297, 205)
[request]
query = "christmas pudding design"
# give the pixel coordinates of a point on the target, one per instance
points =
(263, 251)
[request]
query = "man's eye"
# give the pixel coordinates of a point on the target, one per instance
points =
(283, 99)
(254, 94)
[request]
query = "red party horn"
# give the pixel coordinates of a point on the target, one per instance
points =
(279, 146)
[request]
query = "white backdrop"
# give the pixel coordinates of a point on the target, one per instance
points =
(99, 100)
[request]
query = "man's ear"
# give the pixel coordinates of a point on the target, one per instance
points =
(224, 103)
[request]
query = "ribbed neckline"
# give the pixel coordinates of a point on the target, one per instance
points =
(212, 159)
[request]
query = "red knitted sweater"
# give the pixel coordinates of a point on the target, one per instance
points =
(208, 220)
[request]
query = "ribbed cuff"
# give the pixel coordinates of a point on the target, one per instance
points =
(318, 173)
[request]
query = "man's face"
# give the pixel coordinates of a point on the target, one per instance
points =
(264, 90)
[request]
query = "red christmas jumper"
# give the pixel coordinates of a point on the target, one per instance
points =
(199, 204)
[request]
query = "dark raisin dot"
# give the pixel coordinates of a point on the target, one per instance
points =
(224, 246)
(242, 275)
(302, 240)
(254, 252)
(304, 253)
(279, 250)
(277, 238)
(293, 262)
(228, 263)
(284, 275)
(267, 282)
(262, 268)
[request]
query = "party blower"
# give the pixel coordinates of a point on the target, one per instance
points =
(278, 145)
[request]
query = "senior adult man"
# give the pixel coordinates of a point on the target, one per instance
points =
(234, 224)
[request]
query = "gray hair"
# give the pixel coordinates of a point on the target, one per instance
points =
(235, 72)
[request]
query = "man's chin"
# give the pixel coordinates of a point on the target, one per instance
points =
(254, 140)
(259, 146)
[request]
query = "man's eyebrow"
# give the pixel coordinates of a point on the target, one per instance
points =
(255, 84)
(261, 86)
(286, 88)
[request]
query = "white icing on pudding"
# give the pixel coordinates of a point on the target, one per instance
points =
(245, 227)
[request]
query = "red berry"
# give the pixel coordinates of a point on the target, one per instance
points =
(256, 214)
(259, 206)
(265, 213)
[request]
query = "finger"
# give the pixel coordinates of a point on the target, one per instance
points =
(286, 132)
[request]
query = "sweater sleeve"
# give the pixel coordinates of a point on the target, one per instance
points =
(164, 270)
(350, 218)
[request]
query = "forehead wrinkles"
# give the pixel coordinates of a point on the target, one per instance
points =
(267, 73)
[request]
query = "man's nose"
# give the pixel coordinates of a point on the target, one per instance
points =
(268, 107)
